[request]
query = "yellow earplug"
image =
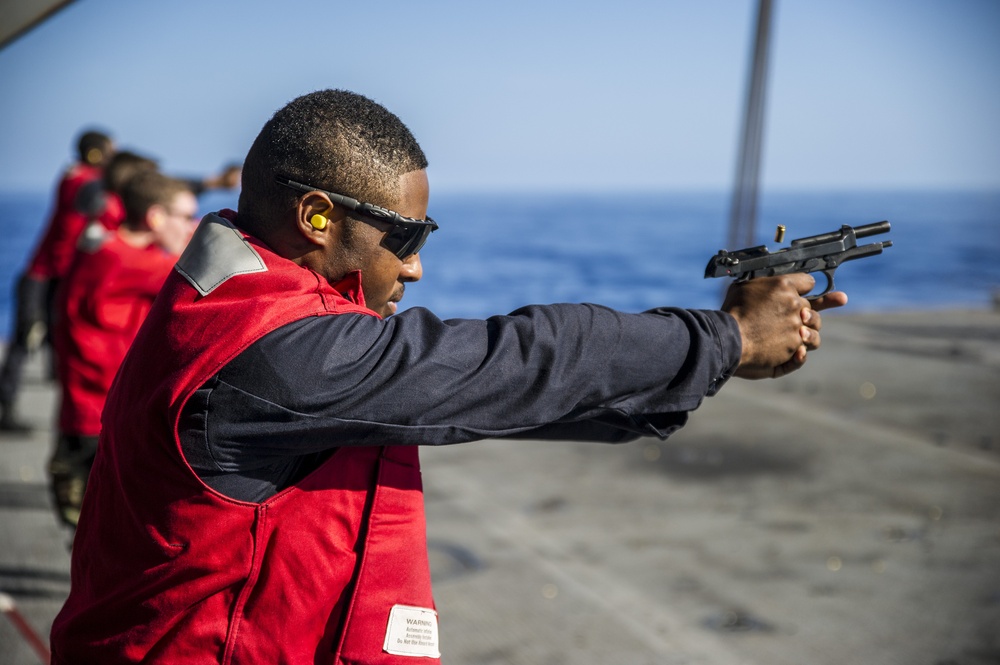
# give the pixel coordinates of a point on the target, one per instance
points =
(318, 221)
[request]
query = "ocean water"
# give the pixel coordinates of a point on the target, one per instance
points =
(496, 252)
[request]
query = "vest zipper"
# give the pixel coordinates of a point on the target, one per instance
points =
(259, 547)
(361, 550)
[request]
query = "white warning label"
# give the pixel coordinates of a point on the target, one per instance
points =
(412, 631)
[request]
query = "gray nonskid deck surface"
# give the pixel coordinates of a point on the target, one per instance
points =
(847, 514)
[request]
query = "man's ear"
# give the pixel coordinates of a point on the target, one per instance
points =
(155, 215)
(315, 216)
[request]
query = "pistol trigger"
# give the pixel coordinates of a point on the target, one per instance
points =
(829, 285)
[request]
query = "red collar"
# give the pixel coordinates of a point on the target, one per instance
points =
(349, 285)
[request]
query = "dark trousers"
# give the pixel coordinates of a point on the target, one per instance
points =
(33, 319)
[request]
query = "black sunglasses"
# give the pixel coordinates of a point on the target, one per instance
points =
(404, 239)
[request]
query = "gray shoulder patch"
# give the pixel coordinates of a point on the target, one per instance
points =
(92, 238)
(217, 251)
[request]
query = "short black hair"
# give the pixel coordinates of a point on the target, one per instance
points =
(332, 139)
(94, 147)
(146, 189)
(122, 167)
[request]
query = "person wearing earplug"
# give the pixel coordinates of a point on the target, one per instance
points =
(104, 299)
(256, 496)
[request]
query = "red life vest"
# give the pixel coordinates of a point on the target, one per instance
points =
(54, 254)
(331, 570)
(102, 302)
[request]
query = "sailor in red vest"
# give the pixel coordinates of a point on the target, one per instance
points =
(103, 300)
(90, 191)
(256, 496)
(50, 262)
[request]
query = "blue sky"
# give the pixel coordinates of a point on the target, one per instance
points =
(580, 95)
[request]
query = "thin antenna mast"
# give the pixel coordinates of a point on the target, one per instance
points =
(743, 211)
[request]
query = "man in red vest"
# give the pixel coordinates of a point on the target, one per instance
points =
(103, 300)
(88, 191)
(256, 494)
(50, 262)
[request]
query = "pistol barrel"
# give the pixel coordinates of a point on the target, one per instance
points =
(871, 229)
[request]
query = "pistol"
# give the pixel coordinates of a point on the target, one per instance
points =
(820, 253)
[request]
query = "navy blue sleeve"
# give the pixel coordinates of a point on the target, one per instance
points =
(560, 371)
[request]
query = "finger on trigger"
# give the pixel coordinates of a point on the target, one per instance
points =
(806, 282)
